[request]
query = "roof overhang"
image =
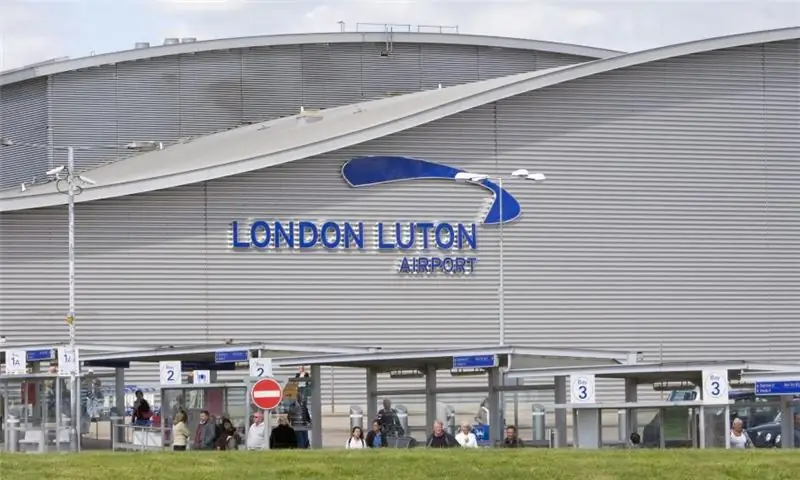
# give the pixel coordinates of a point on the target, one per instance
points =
(256, 147)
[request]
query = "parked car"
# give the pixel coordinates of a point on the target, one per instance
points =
(768, 435)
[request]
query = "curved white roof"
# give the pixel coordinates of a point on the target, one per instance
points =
(52, 68)
(280, 141)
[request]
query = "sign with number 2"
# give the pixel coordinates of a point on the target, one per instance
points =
(170, 372)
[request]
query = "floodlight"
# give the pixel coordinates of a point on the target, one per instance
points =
(55, 171)
(87, 180)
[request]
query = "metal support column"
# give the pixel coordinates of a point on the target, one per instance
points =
(430, 397)
(372, 396)
(316, 407)
(560, 397)
(787, 423)
(119, 402)
(631, 396)
(495, 414)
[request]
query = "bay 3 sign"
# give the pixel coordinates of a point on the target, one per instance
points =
(396, 236)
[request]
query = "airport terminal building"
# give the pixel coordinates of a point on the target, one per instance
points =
(307, 191)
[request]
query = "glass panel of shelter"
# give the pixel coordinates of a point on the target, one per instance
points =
(220, 401)
(41, 408)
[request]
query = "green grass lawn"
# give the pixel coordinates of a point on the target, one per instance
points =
(417, 464)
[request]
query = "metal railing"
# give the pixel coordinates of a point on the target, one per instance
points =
(129, 437)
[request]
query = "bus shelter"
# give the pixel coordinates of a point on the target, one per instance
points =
(41, 403)
(188, 380)
(489, 362)
(699, 418)
(785, 387)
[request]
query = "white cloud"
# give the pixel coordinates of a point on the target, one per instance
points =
(23, 38)
(201, 6)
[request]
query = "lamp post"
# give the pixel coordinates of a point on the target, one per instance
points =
(478, 178)
(74, 186)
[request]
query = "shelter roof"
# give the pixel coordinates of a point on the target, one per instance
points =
(442, 358)
(652, 372)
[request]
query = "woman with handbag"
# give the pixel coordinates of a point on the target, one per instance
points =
(141, 411)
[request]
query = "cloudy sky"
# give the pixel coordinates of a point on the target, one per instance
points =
(36, 30)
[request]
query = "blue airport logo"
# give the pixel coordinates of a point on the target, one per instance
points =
(456, 242)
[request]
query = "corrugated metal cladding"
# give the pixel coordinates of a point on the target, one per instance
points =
(166, 98)
(23, 117)
(670, 224)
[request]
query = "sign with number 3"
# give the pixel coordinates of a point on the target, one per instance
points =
(715, 386)
(582, 388)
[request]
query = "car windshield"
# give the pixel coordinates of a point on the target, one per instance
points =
(682, 396)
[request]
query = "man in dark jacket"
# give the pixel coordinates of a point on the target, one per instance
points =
(512, 439)
(390, 423)
(441, 439)
(375, 437)
(283, 436)
(206, 433)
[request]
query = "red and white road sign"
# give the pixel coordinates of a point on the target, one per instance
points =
(267, 394)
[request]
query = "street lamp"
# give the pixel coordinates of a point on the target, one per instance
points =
(478, 178)
(74, 187)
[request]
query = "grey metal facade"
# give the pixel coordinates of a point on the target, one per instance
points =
(167, 98)
(670, 224)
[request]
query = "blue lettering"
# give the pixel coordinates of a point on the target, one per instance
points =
(353, 237)
(441, 236)
(260, 234)
(281, 233)
(434, 265)
(325, 235)
(404, 267)
(308, 234)
(381, 243)
(445, 236)
(398, 235)
(423, 265)
(236, 243)
(424, 227)
(470, 237)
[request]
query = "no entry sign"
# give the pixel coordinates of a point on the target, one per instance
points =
(267, 394)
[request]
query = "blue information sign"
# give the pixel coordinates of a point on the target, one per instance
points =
(42, 355)
(475, 361)
(786, 387)
(231, 356)
(481, 434)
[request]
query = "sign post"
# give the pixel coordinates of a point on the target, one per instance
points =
(715, 392)
(267, 394)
